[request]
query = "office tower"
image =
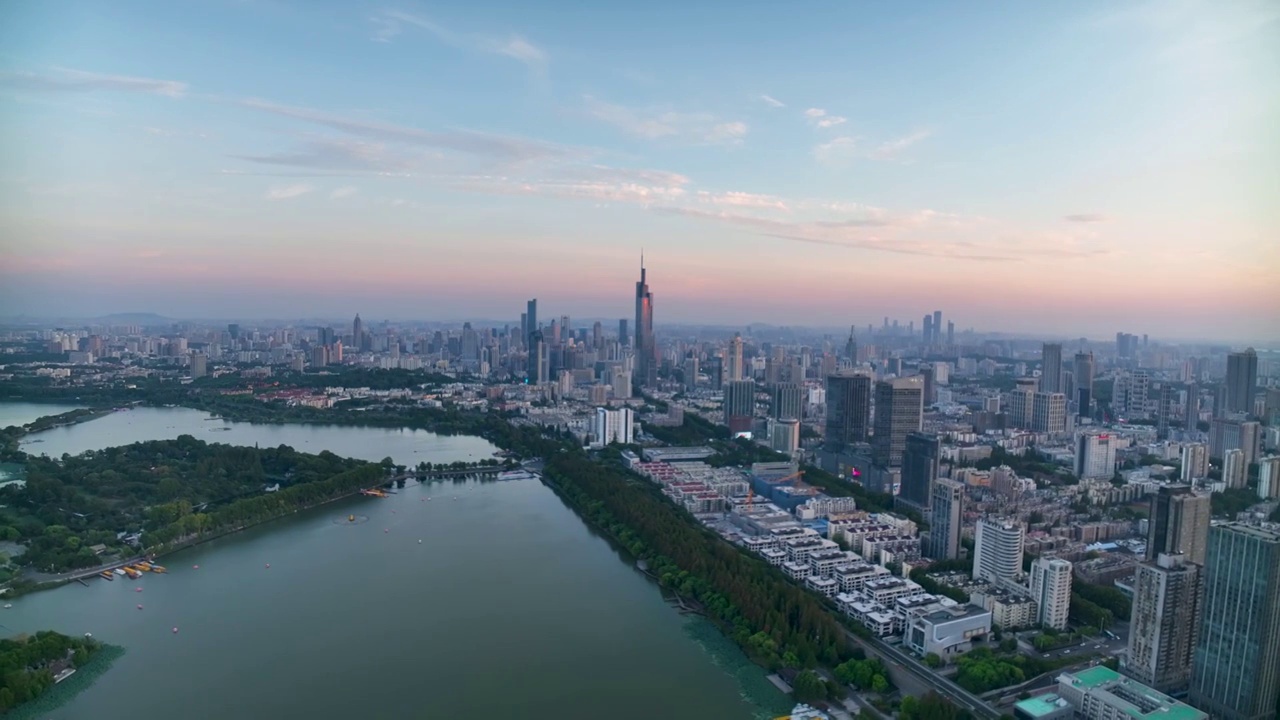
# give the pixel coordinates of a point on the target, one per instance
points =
(1082, 374)
(997, 549)
(1162, 411)
(1051, 367)
(1130, 393)
(1051, 589)
(1269, 478)
(899, 408)
(937, 327)
(1020, 402)
(470, 343)
(851, 347)
(553, 332)
(199, 365)
(531, 322)
(621, 385)
(739, 405)
(624, 337)
(920, 461)
(1168, 596)
(1179, 523)
(1191, 411)
(539, 367)
(1095, 456)
(927, 336)
(612, 426)
(1195, 462)
(1049, 413)
(848, 408)
(785, 401)
(714, 370)
(1242, 381)
(233, 329)
(1227, 435)
(733, 360)
(1234, 470)
(1126, 345)
(646, 352)
(1236, 671)
(597, 335)
(946, 517)
(927, 378)
(951, 334)
(357, 334)
(1271, 406)
(784, 436)
(690, 373)
(524, 330)
(325, 336)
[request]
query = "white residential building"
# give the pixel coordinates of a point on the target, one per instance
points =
(613, 426)
(1095, 456)
(1051, 589)
(997, 549)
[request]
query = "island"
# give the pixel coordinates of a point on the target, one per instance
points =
(40, 672)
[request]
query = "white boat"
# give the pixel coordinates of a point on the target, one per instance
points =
(119, 571)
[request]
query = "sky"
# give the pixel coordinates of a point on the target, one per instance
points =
(1081, 167)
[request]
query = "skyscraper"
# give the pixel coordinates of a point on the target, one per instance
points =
(1245, 435)
(624, 337)
(1179, 523)
(1236, 671)
(1051, 589)
(1049, 413)
(645, 351)
(690, 373)
(785, 401)
(733, 359)
(531, 322)
(1191, 410)
(1195, 462)
(1095, 456)
(1082, 375)
(1051, 367)
(739, 405)
(920, 458)
(1163, 400)
(539, 367)
(947, 514)
(899, 409)
(1234, 470)
(927, 336)
(937, 327)
(357, 333)
(951, 334)
(1242, 381)
(997, 549)
(848, 408)
(1168, 596)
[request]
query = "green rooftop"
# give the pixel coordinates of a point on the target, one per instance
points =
(1177, 711)
(1041, 705)
(1094, 676)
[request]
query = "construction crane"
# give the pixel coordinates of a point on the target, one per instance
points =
(751, 493)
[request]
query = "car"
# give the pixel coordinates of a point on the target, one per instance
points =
(1045, 655)
(1066, 652)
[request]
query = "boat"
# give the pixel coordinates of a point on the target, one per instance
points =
(144, 566)
(120, 571)
(133, 574)
(159, 569)
(108, 575)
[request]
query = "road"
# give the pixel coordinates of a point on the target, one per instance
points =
(913, 678)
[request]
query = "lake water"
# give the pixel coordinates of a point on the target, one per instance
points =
(21, 413)
(407, 447)
(509, 607)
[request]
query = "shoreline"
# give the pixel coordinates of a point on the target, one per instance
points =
(64, 692)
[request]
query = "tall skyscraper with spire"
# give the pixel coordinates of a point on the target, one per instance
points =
(646, 352)
(357, 333)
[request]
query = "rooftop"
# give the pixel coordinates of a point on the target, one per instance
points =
(1042, 705)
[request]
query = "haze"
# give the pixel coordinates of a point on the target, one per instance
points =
(1079, 167)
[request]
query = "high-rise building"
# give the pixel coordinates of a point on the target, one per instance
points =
(1020, 402)
(1236, 671)
(612, 426)
(739, 405)
(937, 327)
(784, 436)
(1051, 589)
(1051, 367)
(946, 516)
(1227, 434)
(951, 334)
(733, 360)
(786, 401)
(997, 549)
(927, 336)
(357, 334)
(1234, 471)
(233, 329)
(1082, 376)
(1191, 410)
(1165, 622)
(624, 337)
(621, 384)
(1179, 523)
(899, 409)
(199, 365)
(1242, 381)
(539, 367)
(1164, 398)
(690, 373)
(1095, 456)
(531, 322)
(848, 418)
(920, 458)
(646, 351)
(1049, 413)
(1195, 462)
(1269, 478)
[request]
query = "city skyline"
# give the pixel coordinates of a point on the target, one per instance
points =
(405, 159)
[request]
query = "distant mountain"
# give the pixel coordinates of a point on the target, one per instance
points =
(144, 319)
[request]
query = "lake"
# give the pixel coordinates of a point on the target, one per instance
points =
(468, 599)
(21, 413)
(405, 446)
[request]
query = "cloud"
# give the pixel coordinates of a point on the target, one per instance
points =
(497, 147)
(339, 154)
(390, 24)
(841, 149)
(597, 191)
(602, 173)
(742, 199)
(820, 118)
(1085, 218)
(891, 148)
(344, 191)
(654, 124)
(772, 102)
(64, 80)
(287, 192)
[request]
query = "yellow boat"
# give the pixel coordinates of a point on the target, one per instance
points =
(133, 574)
(158, 569)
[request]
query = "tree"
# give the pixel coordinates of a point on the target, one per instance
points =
(808, 687)
(932, 660)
